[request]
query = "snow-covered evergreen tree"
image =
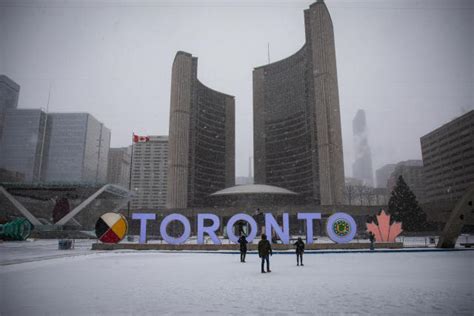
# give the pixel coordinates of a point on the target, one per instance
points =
(404, 207)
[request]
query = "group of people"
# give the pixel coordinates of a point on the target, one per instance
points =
(265, 251)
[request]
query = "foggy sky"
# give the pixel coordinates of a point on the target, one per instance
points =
(408, 64)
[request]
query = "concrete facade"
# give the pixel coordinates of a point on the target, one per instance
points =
(201, 137)
(118, 168)
(22, 142)
(150, 173)
(76, 149)
(448, 159)
(297, 125)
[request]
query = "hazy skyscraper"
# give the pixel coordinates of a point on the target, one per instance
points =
(362, 167)
(297, 125)
(201, 137)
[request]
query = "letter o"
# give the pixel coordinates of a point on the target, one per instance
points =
(341, 228)
(238, 217)
(175, 217)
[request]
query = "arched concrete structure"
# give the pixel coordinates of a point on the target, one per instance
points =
(201, 137)
(297, 124)
(462, 213)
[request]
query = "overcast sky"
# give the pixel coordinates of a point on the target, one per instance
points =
(408, 64)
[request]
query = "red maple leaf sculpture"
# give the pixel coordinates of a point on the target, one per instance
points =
(384, 232)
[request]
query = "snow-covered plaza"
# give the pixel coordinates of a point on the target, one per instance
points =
(122, 283)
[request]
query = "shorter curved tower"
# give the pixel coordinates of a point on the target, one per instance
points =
(201, 137)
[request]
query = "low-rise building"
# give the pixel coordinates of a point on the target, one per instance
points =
(412, 173)
(383, 174)
(118, 169)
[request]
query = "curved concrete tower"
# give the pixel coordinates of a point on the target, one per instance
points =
(297, 124)
(201, 137)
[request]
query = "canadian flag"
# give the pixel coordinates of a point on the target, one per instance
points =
(140, 139)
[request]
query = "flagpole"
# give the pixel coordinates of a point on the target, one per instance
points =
(130, 175)
(40, 171)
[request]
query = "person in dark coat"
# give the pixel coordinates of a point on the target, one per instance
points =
(243, 247)
(264, 252)
(372, 240)
(299, 244)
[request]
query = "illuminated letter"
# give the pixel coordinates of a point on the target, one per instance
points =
(143, 217)
(210, 230)
(284, 233)
(309, 217)
(341, 228)
(179, 218)
(241, 217)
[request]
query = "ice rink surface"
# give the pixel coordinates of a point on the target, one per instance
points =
(157, 283)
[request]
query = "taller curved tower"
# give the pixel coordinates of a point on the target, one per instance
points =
(201, 137)
(297, 124)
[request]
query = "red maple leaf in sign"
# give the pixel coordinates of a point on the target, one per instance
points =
(384, 231)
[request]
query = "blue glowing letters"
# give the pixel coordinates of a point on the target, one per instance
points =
(210, 230)
(241, 217)
(340, 227)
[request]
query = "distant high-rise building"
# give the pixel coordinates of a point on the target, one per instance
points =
(118, 168)
(246, 180)
(297, 125)
(362, 167)
(76, 149)
(243, 180)
(383, 174)
(201, 137)
(412, 173)
(448, 159)
(11, 176)
(21, 145)
(9, 92)
(150, 173)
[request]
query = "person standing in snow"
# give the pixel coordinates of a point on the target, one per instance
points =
(299, 244)
(243, 247)
(372, 240)
(264, 252)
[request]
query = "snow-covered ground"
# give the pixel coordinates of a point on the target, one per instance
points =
(33, 250)
(157, 283)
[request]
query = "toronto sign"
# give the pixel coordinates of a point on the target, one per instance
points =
(340, 227)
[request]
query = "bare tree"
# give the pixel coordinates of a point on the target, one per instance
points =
(349, 192)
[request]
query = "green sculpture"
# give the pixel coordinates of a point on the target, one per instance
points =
(18, 229)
